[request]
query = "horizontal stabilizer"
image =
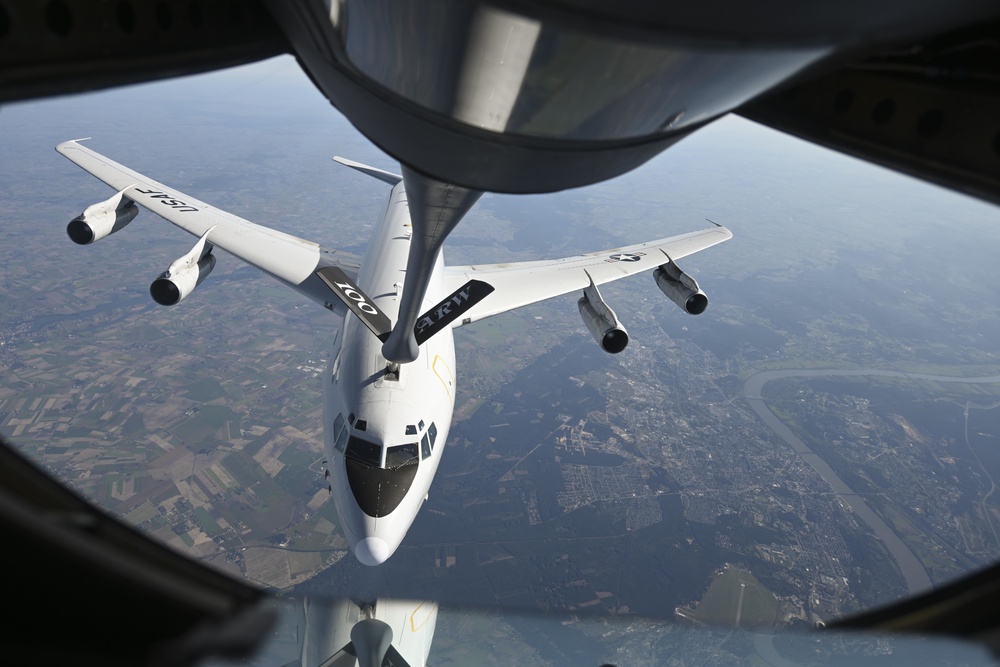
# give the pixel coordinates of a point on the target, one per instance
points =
(450, 309)
(380, 174)
(352, 296)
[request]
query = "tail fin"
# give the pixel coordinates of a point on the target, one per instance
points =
(384, 176)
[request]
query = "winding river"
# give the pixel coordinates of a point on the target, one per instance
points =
(909, 565)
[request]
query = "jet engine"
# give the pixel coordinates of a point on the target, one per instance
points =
(680, 288)
(102, 219)
(602, 321)
(184, 274)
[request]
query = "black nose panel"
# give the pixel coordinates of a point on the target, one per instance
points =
(379, 491)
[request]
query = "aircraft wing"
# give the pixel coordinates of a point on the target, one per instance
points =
(523, 283)
(291, 260)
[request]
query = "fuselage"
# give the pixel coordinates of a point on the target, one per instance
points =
(385, 425)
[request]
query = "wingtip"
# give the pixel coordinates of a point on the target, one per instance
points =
(68, 144)
(722, 227)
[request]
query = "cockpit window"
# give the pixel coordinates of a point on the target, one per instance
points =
(420, 425)
(364, 452)
(425, 446)
(339, 433)
(432, 431)
(402, 455)
(361, 425)
(411, 429)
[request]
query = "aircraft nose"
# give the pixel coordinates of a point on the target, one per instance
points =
(372, 551)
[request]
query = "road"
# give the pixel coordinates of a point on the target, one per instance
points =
(739, 604)
(909, 565)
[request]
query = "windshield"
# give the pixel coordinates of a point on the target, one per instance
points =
(362, 451)
(402, 455)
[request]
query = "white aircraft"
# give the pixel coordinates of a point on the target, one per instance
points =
(386, 423)
(342, 633)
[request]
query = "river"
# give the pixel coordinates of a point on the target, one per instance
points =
(912, 569)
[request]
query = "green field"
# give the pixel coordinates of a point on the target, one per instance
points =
(206, 521)
(206, 389)
(243, 469)
(146, 333)
(722, 605)
(142, 513)
(470, 406)
(293, 456)
(215, 478)
(193, 431)
(216, 416)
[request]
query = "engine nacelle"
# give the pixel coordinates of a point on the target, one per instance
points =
(171, 287)
(680, 288)
(102, 219)
(602, 321)
(184, 274)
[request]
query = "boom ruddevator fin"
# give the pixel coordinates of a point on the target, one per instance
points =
(430, 323)
(359, 303)
(450, 309)
(345, 657)
(380, 174)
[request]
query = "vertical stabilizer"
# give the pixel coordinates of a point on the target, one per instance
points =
(380, 174)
